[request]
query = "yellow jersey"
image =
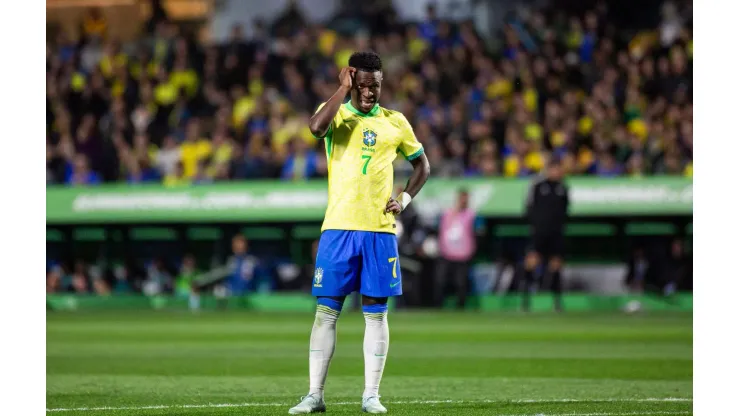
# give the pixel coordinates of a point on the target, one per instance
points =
(191, 153)
(360, 150)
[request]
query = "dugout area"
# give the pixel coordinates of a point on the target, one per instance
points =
(592, 239)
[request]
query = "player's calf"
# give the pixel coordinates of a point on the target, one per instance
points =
(375, 348)
(321, 350)
(323, 341)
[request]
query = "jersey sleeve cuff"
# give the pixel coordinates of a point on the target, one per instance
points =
(415, 154)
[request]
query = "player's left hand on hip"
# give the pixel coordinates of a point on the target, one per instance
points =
(393, 206)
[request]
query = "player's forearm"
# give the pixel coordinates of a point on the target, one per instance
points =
(320, 122)
(419, 176)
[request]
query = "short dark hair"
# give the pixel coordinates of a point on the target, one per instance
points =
(367, 61)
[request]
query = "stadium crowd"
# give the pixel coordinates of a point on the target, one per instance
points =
(168, 109)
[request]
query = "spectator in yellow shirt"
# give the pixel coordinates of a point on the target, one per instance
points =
(586, 160)
(184, 78)
(194, 149)
(530, 95)
(500, 87)
(342, 55)
(518, 162)
(243, 107)
(327, 41)
(222, 151)
(416, 46)
(112, 59)
(94, 24)
(143, 66)
(283, 131)
(165, 93)
(176, 178)
(534, 160)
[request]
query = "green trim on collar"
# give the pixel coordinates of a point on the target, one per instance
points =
(376, 109)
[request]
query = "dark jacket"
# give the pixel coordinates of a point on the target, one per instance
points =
(547, 206)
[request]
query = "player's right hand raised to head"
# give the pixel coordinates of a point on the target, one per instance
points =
(346, 75)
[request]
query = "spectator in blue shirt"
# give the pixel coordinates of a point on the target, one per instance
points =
(66, 48)
(301, 164)
(444, 37)
(607, 166)
(257, 159)
(142, 172)
(81, 174)
(428, 28)
(242, 267)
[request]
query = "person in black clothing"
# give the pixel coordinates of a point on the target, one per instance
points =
(640, 271)
(677, 273)
(411, 234)
(547, 213)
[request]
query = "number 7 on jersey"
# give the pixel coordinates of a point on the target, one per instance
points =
(364, 165)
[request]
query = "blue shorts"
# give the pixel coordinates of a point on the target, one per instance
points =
(357, 261)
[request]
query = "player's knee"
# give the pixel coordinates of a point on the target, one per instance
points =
(555, 264)
(369, 300)
(531, 261)
(375, 314)
(329, 306)
(374, 310)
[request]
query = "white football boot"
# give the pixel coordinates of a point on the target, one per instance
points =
(372, 405)
(312, 403)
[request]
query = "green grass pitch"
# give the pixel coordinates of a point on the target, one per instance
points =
(244, 363)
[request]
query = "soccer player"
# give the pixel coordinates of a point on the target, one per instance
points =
(358, 249)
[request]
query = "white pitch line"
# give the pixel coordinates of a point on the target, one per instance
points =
(611, 414)
(542, 401)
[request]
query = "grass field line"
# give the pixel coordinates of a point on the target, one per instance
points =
(257, 404)
(611, 414)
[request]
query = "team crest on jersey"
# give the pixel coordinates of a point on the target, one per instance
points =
(317, 277)
(369, 137)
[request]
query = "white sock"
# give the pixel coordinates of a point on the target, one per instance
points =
(375, 348)
(321, 348)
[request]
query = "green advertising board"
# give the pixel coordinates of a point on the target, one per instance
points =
(258, 201)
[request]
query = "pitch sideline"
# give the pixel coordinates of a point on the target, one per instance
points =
(543, 401)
